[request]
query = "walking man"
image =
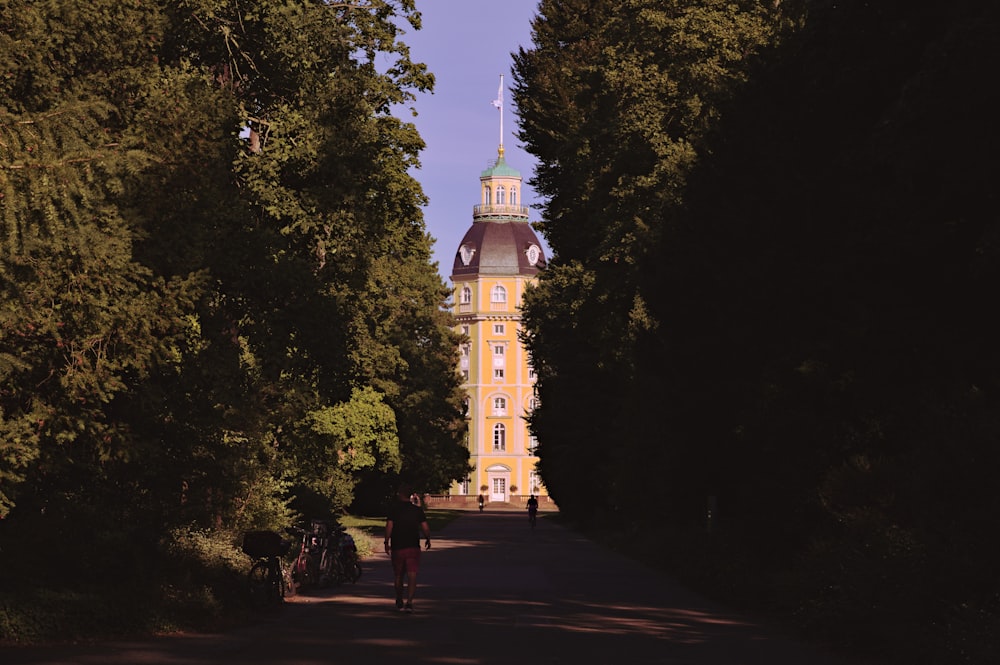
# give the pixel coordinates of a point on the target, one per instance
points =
(403, 525)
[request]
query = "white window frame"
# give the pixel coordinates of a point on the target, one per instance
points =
(534, 481)
(499, 438)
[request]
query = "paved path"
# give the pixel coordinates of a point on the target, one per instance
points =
(492, 591)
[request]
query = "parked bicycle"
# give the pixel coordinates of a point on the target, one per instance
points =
(269, 579)
(328, 556)
(346, 566)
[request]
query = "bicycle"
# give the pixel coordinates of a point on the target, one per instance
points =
(310, 569)
(346, 567)
(328, 556)
(268, 580)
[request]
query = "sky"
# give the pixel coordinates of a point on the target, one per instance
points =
(467, 45)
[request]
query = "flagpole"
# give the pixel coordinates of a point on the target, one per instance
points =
(498, 102)
(501, 111)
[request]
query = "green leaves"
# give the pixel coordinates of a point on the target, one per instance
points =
(212, 258)
(362, 432)
(614, 100)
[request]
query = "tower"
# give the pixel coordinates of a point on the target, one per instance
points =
(497, 258)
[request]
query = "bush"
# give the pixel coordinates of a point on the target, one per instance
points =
(196, 580)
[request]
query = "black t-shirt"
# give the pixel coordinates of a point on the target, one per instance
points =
(406, 520)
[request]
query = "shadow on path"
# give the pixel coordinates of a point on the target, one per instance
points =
(492, 590)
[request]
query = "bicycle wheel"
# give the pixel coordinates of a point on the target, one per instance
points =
(260, 584)
(288, 588)
(325, 574)
(337, 576)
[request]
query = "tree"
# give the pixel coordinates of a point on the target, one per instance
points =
(776, 244)
(612, 99)
(199, 203)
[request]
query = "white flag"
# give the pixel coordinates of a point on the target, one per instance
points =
(498, 102)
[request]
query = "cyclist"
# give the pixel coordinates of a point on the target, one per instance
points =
(532, 510)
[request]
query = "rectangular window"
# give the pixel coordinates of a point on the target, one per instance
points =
(534, 482)
(498, 328)
(498, 355)
(498, 375)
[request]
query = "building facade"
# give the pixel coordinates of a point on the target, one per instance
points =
(497, 258)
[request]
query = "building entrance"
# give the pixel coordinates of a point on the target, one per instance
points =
(498, 489)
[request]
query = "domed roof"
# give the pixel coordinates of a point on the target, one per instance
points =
(500, 168)
(499, 248)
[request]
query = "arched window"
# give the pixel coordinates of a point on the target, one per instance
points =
(499, 406)
(513, 196)
(466, 296)
(487, 195)
(500, 196)
(499, 437)
(498, 295)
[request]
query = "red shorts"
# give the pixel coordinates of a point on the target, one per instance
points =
(406, 560)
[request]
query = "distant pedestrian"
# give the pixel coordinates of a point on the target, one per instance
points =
(532, 510)
(403, 525)
(482, 502)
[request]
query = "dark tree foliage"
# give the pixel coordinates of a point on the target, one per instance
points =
(819, 353)
(611, 98)
(847, 266)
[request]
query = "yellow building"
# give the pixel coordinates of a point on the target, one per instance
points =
(498, 257)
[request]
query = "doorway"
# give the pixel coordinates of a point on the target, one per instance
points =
(498, 489)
